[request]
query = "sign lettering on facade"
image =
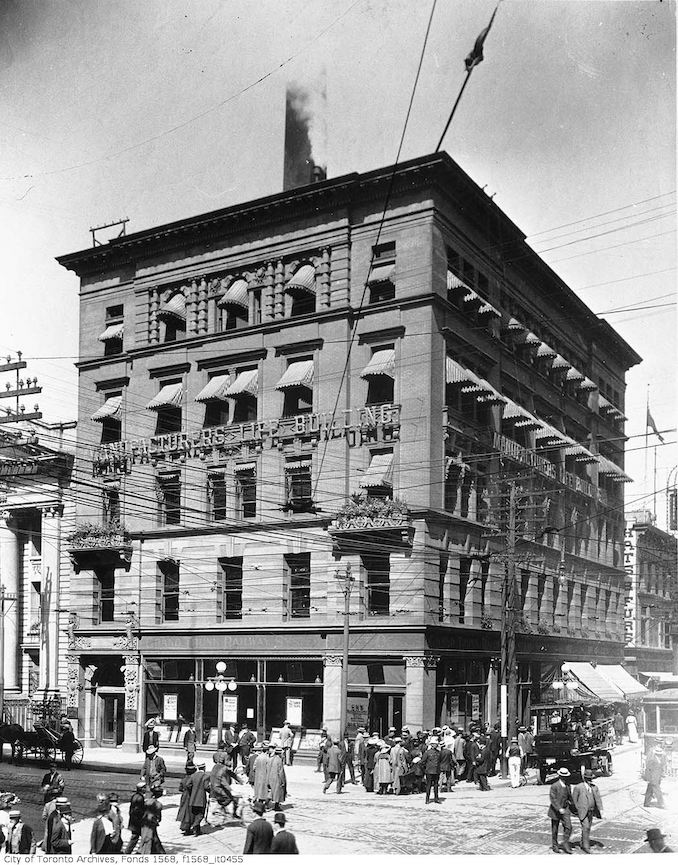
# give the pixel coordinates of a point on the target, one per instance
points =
(230, 709)
(631, 582)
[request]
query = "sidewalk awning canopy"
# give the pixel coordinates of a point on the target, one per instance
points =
(622, 679)
(382, 362)
(113, 331)
(246, 382)
(379, 472)
(455, 373)
(297, 374)
(235, 295)
(303, 279)
(112, 408)
(215, 389)
(550, 436)
(594, 681)
(169, 396)
(174, 308)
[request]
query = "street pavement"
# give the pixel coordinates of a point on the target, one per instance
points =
(358, 823)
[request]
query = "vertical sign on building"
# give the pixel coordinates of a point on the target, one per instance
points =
(293, 713)
(630, 585)
(230, 709)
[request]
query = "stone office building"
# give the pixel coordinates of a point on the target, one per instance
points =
(278, 391)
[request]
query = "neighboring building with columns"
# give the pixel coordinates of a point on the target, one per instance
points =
(651, 564)
(229, 412)
(36, 511)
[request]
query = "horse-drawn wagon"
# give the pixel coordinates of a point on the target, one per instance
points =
(40, 743)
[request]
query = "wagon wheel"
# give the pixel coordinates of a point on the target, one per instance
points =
(79, 753)
(49, 752)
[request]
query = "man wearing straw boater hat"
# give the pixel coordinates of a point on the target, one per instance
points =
(559, 810)
(20, 838)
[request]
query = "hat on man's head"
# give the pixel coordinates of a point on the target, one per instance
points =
(398, 739)
(258, 808)
(361, 729)
(258, 746)
(280, 819)
(514, 739)
(61, 802)
(150, 722)
(14, 813)
(434, 740)
(151, 749)
(522, 729)
(391, 728)
(650, 834)
(285, 722)
(563, 772)
(141, 785)
(112, 797)
(588, 774)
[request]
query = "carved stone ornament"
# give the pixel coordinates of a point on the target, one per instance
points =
(333, 660)
(427, 662)
(126, 642)
(131, 674)
(80, 643)
(73, 685)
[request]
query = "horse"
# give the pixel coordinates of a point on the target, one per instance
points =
(13, 735)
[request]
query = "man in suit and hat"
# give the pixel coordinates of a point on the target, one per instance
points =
(197, 786)
(52, 784)
(151, 736)
(334, 765)
(58, 829)
(657, 842)
(190, 742)
(20, 839)
(154, 770)
(588, 804)
(654, 772)
(286, 738)
(284, 841)
(559, 810)
(259, 833)
(430, 763)
(137, 808)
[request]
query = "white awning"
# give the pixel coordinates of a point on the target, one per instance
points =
(532, 339)
(297, 374)
(489, 394)
(515, 325)
(454, 282)
(587, 384)
(215, 388)
(304, 279)
(302, 465)
(604, 404)
(455, 373)
(607, 467)
(382, 362)
(244, 467)
(245, 382)
(169, 396)
(235, 295)
(488, 309)
(379, 473)
(559, 362)
(552, 436)
(472, 297)
(622, 679)
(174, 308)
(574, 375)
(545, 350)
(111, 408)
(579, 452)
(381, 273)
(113, 331)
(521, 416)
(594, 681)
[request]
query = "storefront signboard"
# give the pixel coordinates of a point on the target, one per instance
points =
(230, 709)
(357, 711)
(293, 712)
(169, 707)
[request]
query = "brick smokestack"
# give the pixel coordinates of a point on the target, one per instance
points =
(305, 134)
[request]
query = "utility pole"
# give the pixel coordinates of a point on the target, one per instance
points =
(509, 673)
(2, 653)
(348, 581)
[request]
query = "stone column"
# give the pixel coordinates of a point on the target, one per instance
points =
(9, 577)
(74, 687)
(332, 694)
(324, 278)
(420, 695)
(279, 291)
(132, 687)
(49, 630)
(89, 730)
(153, 307)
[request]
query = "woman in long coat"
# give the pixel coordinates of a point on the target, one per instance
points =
(371, 750)
(277, 780)
(184, 813)
(382, 770)
(261, 777)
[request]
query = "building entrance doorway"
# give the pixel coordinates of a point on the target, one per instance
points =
(387, 711)
(112, 719)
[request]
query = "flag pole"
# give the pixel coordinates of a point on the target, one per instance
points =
(654, 485)
(454, 108)
(647, 425)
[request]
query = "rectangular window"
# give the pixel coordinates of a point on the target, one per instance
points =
(256, 306)
(113, 338)
(216, 413)
(169, 499)
(246, 493)
(111, 506)
(381, 278)
(297, 400)
(105, 589)
(229, 589)
(169, 590)
(298, 485)
(464, 574)
(168, 420)
(299, 585)
(377, 584)
(442, 578)
(216, 495)
(111, 426)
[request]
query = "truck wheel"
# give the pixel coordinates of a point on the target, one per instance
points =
(541, 777)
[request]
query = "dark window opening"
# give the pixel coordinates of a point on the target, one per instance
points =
(113, 346)
(299, 586)
(443, 563)
(464, 575)
(173, 330)
(216, 491)
(114, 315)
(229, 596)
(169, 495)
(244, 408)
(216, 413)
(168, 420)
(169, 580)
(302, 303)
(246, 494)
(111, 430)
(234, 318)
(299, 488)
(111, 507)
(380, 389)
(297, 400)
(106, 594)
(377, 584)
(380, 291)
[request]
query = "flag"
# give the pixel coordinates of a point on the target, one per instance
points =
(650, 424)
(476, 56)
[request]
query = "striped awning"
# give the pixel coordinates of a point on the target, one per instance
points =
(472, 297)
(574, 375)
(381, 273)
(559, 362)
(304, 279)
(515, 325)
(113, 331)
(379, 472)
(455, 283)
(550, 436)
(169, 396)
(297, 374)
(521, 416)
(215, 389)
(488, 309)
(532, 339)
(174, 308)
(546, 351)
(112, 408)
(587, 384)
(489, 394)
(604, 404)
(455, 373)
(235, 295)
(246, 382)
(579, 452)
(245, 467)
(607, 467)
(302, 465)
(381, 363)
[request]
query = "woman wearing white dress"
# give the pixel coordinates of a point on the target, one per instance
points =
(632, 727)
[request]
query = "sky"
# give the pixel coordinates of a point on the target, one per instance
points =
(163, 109)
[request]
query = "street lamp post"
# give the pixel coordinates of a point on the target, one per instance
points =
(220, 683)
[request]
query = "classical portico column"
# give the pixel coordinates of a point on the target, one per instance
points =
(74, 687)
(132, 687)
(420, 694)
(9, 578)
(332, 695)
(49, 629)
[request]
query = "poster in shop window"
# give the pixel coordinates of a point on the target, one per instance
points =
(453, 710)
(475, 706)
(230, 709)
(169, 707)
(293, 713)
(357, 711)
